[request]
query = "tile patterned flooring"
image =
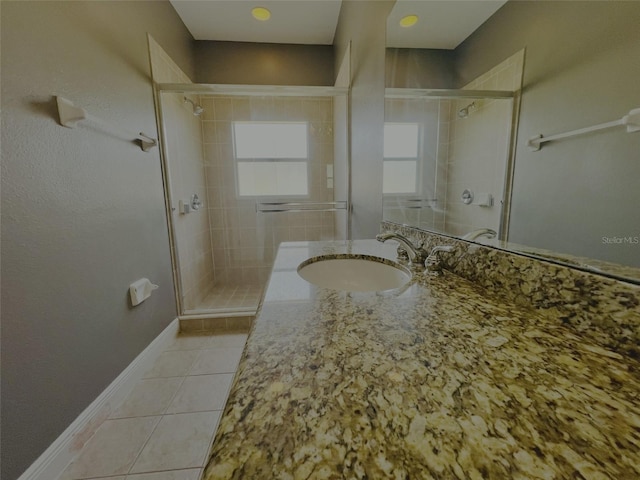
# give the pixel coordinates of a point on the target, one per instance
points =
(164, 429)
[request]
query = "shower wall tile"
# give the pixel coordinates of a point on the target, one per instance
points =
(241, 109)
(290, 108)
(187, 158)
(209, 135)
(223, 108)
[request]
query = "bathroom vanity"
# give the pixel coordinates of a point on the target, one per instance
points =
(440, 378)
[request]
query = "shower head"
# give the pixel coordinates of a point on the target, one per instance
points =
(464, 112)
(197, 109)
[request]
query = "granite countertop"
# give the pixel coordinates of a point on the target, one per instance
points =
(439, 380)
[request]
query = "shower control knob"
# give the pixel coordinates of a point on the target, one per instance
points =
(467, 197)
(195, 202)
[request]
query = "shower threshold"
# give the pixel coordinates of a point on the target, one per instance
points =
(228, 307)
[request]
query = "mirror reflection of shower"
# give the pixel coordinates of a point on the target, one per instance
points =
(464, 112)
(197, 109)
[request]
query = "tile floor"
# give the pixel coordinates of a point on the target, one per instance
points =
(164, 428)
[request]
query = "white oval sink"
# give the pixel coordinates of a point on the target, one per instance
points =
(354, 273)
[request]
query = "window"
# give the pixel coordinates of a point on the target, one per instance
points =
(271, 158)
(400, 166)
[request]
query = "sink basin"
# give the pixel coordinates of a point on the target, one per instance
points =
(354, 273)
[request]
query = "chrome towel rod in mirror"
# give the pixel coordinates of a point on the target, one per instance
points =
(631, 121)
(70, 115)
(274, 207)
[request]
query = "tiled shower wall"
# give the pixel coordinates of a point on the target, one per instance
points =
(187, 174)
(184, 142)
(244, 242)
(479, 149)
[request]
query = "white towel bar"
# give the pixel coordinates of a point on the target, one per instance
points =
(70, 115)
(631, 121)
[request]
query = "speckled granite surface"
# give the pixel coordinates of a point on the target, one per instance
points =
(603, 309)
(434, 380)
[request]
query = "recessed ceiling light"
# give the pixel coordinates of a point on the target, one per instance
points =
(408, 21)
(261, 13)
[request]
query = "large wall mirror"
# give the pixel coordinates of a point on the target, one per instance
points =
(469, 87)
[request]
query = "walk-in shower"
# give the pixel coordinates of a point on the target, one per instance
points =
(268, 165)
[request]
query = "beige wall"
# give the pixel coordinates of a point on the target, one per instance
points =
(264, 63)
(83, 210)
(581, 69)
(419, 68)
(363, 24)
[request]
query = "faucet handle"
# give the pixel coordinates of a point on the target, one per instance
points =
(433, 262)
(402, 253)
(441, 248)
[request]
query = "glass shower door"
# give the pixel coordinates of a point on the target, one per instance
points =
(275, 169)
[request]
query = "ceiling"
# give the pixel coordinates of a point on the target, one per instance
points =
(442, 24)
(310, 22)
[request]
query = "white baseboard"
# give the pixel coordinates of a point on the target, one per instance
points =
(65, 448)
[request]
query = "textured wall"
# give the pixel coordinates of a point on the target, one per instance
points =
(579, 70)
(83, 210)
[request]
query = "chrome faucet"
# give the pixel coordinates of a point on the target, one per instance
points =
(481, 232)
(417, 254)
(433, 263)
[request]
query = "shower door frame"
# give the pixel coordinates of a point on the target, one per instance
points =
(230, 90)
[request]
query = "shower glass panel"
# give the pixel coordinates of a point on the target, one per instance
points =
(435, 148)
(271, 167)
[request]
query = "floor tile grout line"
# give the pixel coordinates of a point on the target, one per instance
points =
(207, 455)
(156, 426)
(165, 410)
(200, 467)
(154, 471)
(144, 445)
(172, 414)
(209, 374)
(174, 395)
(178, 413)
(150, 415)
